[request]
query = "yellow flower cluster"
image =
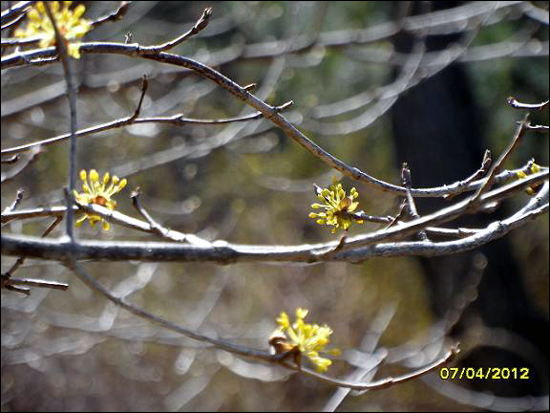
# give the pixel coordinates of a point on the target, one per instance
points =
(96, 192)
(302, 338)
(533, 170)
(338, 206)
(69, 22)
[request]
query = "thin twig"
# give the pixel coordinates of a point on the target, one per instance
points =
(12, 159)
(537, 128)
(177, 120)
(155, 227)
(460, 232)
(126, 221)
(144, 86)
(400, 213)
(331, 252)
(491, 51)
(10, 42)
(447, 20)
(526, 106)
(447, 357)
(53, 211)
(485, 164)
(31, 157)
(497, 166)
(83, 275)
(406, 182)
(267, 110)
(5, 284)
(161, 231)
(39, 283)
(8, 281)
(21, 260)
(14, 22)
(114, 16)
(198, 26)
(15, 11)
(15, 203)
(226, 345)
(363, 216)
(61, 47)
(251, 87)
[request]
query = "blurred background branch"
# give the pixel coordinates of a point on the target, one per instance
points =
(373, 85)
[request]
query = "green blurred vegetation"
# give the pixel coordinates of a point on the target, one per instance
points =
(228, 192)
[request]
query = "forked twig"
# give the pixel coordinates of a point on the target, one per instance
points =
(497, 166)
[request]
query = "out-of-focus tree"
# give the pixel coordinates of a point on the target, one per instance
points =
(417, 128)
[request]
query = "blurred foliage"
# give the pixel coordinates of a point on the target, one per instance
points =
(74, 351)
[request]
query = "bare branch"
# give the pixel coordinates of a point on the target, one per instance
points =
(538, 128)
(199, 25)
(5, 284)
(354, 248)
(526, 106)
(114, 16)
(14, 23)
(485, 164)
(490, 184)
(32, 282)
(83, 275)
(268, 111)
(144, 86)
(15, 203)
(497, 166)
(9, 42)
(15, 11)
(61, 47)
(21, 260)
(11, 159)
(29, 159)
(161, 231)
(447, 357)
(406, 182)
(177, 120)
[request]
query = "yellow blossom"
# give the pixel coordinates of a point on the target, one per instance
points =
(96, 192)
(533, 170)
(302, 338)
(69, 22)
(338, 206)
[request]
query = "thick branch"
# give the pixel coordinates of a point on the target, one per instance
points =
(225, 253)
